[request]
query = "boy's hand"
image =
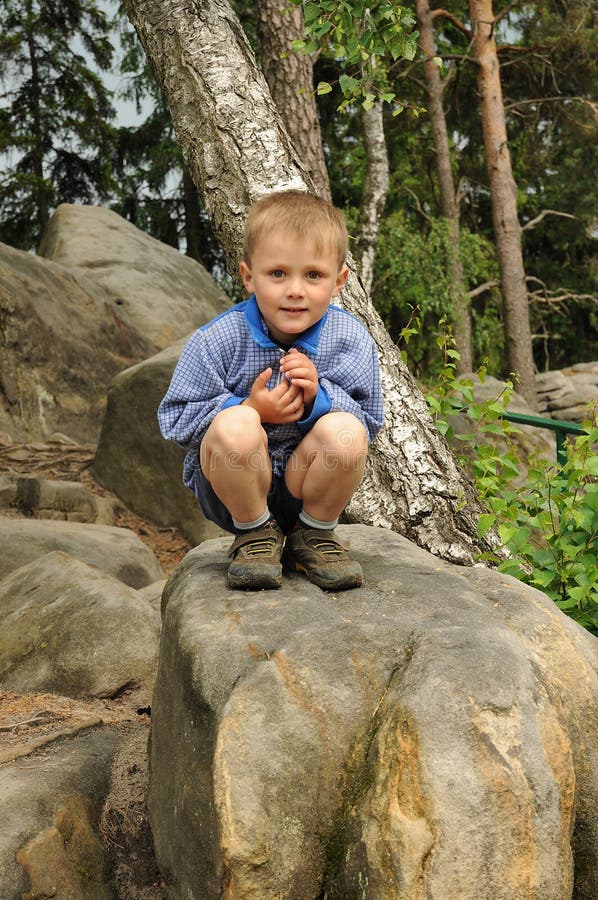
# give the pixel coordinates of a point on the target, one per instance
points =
(300, 370)
(281, 405)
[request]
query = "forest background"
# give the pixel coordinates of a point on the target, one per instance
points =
(69, 66)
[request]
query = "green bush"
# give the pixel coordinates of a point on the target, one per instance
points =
(548, 526)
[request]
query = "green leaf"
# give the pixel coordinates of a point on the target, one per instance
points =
(348, 84)
(323, 88)
(485, 523)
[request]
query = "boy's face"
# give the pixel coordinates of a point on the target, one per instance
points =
(293, 282)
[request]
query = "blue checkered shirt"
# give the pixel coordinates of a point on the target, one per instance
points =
(221, 361)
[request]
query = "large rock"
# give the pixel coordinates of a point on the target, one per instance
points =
(50, 802)
(135, 462)
(116, 551)
(433, 734)
(108, 297)
(158, 292)
(69, 501)
(69, 629)
(567, 393)
(60, 346)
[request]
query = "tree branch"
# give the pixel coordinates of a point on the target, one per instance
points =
(443, 13)
(554, 298)
(481, 288)
(504, 12)
(545, 212)
(418, 204)
(558, 99)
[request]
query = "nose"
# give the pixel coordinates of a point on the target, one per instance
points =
(295, 287)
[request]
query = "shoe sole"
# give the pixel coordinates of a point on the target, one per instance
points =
(343, 582)
(254, 581)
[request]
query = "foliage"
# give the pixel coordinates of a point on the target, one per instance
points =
(547, 523)
(366, 35)
(411, 271)
(549, 78)
(54, 122)
(151, 189)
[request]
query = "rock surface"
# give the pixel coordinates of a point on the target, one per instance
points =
(108, 297)
(70, 629)
(135, 461)
(60, 346)
(566, 393)
(65, 500)
(115, 551)
(433, 734)
(159, 293)
(50, 786)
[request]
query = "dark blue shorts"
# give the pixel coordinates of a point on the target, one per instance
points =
(284, 507)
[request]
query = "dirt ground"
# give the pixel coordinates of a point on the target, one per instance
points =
(73, 462)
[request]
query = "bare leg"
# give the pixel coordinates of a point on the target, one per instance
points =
(327, 466)
(234, 458)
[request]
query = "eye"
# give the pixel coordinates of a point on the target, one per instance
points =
(314, 276)
(277, 273)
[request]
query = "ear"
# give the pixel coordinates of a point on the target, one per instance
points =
(247, 277)
(340, 280)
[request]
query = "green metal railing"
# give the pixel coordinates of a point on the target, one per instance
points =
(561, 429)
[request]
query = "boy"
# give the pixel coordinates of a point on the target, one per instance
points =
(276, 400)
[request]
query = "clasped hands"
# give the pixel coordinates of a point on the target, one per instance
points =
(293, 397)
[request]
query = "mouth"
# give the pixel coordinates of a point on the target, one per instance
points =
(293, 310)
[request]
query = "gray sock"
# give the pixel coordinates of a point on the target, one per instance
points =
(308, 520)
(257, 523)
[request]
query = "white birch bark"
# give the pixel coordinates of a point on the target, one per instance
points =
(236, 149)
(375, 189)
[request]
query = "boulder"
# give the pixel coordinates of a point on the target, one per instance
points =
(158, 292)
(432, 734)
(152, 594)
(60, 347)
(105, 297)
(50, 804)
(116, 551)
(135, 462)
(66, 500)
(69, 629)
(567, 393)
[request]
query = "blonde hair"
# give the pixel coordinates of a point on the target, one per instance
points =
(300, 213)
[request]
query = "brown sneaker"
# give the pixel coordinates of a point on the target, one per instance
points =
(256, 558)
(323, 558)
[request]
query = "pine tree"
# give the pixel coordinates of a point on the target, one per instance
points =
(55, 130)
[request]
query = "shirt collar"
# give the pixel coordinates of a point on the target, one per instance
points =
(307, 340)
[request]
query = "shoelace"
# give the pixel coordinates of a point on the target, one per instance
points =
(260, 547)
(327, 547)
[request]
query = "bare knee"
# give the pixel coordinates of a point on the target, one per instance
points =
(235, 432)
(342, 437)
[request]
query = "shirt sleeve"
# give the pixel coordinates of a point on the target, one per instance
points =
(196, 394)
(351, 385)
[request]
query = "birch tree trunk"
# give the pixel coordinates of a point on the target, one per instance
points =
(290, 77)
(448, 198)
(504, 203)
(375, 189)
(236, 149)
